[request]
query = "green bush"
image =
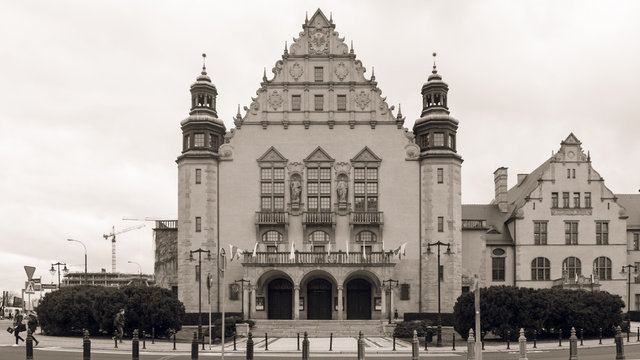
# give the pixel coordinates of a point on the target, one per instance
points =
(71, 309)
(507, 308)
(405, 329)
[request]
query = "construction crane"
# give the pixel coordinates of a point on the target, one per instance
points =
(112, 235)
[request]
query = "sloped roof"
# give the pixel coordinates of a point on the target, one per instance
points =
(495, 220)
(631, 204)
(517, 194)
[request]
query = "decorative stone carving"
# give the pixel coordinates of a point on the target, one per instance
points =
(275, 100)
(342, 189)
(295, 167)
(341, 71)
(278, 68)
(342, 168)
(362, 99)
(295, 188)
(412, 152)
(318, 41)
(296, 71)
(409, 135)
(254, 107)
(225, 152)
(228, 135)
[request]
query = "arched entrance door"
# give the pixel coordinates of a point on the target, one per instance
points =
(280, 298)
(358, 299)
(319, 299)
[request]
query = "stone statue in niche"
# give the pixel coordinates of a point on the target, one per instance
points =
(342, 189)
(296, 189)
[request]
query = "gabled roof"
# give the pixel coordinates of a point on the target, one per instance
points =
(495, 220)
(631, 205)
(517, 194)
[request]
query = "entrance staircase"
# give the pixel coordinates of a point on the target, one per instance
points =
(318, 328)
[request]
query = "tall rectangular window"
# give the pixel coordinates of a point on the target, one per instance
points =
(554, 200)
(366, 188)
(540, 232)
(342, 102)
(636, 241)
(404, 291)
(213, 140)
(438, 139)
(318, 102)
(602, 232)
(198, 224)
(571, 233)
(565, 199)
(186, 143)
(318, 73)
(198, 176)
(576, 199)
(198, 140)
(452, 141)
(587, 199)
(440, 175)
(296, 103)
(272, 189)
(319, 189)
(440, 224)
(568, 173)
(498, 268)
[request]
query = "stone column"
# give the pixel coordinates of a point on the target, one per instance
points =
(245, 301)
(390, 297)
(340, 312)
(383, 297)
(252, 302)
(296, 302)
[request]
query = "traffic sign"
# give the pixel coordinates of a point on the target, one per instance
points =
(29, 288)
(49, 286)
(29, 270)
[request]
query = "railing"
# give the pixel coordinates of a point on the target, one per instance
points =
(166, 224)
(473, 224)
(318, 217)
(312, 258)
(573, 283)
(271, 217)
(366, 217)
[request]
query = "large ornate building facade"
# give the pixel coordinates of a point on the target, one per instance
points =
(325, 207)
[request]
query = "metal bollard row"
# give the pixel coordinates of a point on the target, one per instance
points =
(135, 346)
(361, 346)
(471, 346)
(305, 347)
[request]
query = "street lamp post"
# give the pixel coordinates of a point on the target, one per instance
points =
(139, 269)
(86, 279)
(53, 271)
(390, 282)
(242, 281)
(440, 275)
(628, 270)
(199, 251)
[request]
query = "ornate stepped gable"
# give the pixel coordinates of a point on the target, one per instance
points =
(318, 63)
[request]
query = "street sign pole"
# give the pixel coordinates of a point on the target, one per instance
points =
(478, 327)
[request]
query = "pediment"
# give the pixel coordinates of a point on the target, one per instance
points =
(571, 140)
(319, 19)
(272, 155)
(366, 155)
(319, 155)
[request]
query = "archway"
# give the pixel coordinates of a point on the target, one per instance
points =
(280, 299)
(358, 299)
(319, 299)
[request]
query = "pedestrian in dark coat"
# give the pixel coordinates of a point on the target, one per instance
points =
(32, 323)
(18, 326)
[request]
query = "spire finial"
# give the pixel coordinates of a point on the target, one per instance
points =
(351, 51)
(399, 111)
(434, 71)
(331, 16)
(306, 17)
(264, 75)
(204, 67)
(239, 115)
(286, 51)
(373, 73)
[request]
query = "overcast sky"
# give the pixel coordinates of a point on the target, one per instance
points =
(92, 94)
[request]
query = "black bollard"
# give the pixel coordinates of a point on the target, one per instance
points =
(135, 346)
(361, 346)
(426, 341)
(600, 336)
(619, 345)
(115, 338)
(508, 339)
(394, 343)
(266, 342)
(331, 342)
(559, 337)
(305, 347)
(194, 346)
(153, 335)
(298, 341)
(144, 340)
(234, 343)
(29, 344)
(86, 345)
(628, 331)
(174, 340)
(581, 336)
(249, 347)
(638, 333)
(415, 347)
(535, 333)
(454, 342)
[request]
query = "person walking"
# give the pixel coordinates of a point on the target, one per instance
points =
(118, 323)
(18, 326)
(32, 323)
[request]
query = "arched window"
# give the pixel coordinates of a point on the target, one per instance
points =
(318, 236)
(602, 268)
(366, 236)
(272, 236)
(540, 269)
(572, 266)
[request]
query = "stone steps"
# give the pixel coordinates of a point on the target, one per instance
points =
(318, 328)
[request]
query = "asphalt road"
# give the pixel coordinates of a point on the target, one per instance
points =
(599, 353)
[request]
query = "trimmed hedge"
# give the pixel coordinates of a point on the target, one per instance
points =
(447, 318)
(405, 329)
(510, 308)
(69, 310)
(191, 319)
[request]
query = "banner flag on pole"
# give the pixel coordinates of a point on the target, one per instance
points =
(292, 254)
(255, 248)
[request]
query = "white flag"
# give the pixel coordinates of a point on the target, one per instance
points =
(329, 249)
(255, 248)
(292, 254)
(346, 243)
(402, 248)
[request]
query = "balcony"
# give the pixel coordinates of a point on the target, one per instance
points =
(582, 282)
(318, 218)
(272, 218)
(366, 218)
(318, 258)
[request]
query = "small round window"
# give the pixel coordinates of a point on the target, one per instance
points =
(498, 252)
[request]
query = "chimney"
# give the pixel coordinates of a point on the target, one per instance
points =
(521, 178)
(500, 179)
